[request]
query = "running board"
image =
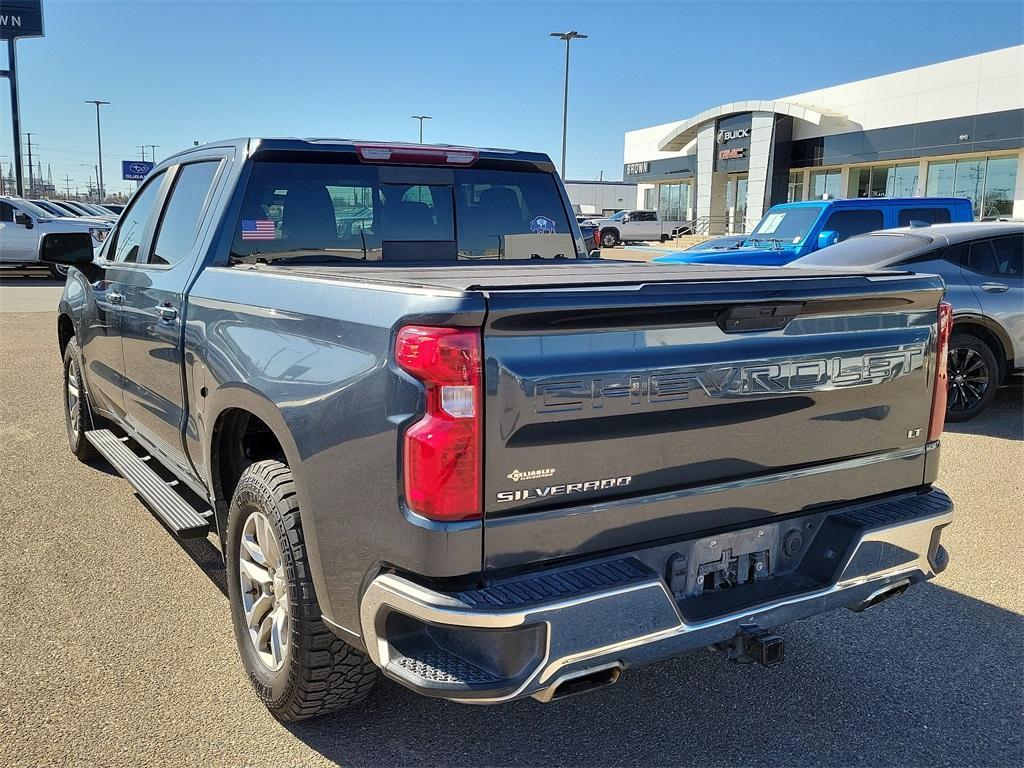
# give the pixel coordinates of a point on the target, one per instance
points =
(176, 513)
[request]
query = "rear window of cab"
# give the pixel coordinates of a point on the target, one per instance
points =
(374, 213)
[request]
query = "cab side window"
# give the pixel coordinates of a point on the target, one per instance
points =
(850, 223)
(6, 211)
(182, 215)
(132, 224)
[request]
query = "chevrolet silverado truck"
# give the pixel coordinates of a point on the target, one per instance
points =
(437, 442)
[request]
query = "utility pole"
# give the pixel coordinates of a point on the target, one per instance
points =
(67, 185)
(152, 151)
(31, 183)
(143, 148)
(421, 118)
(99, 145)
(568, 37)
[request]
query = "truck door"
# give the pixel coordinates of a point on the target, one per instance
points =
(151, 327)
(100, 334)
(18, 242)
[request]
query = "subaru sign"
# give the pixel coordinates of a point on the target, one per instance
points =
(21, 18)
(135, 170)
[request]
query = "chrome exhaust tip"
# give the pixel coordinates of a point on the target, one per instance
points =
(581, 682)
(880, 595)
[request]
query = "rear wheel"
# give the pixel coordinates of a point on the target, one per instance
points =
(78, 414)
(298, 667)
(609, 238)
(973, 376)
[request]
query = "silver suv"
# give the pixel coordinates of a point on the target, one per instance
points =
(982, 265)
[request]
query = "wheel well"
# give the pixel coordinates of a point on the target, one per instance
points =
(991, 341)
(65, 332)
(239, 440)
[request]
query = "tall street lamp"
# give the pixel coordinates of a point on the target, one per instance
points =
(99, 144)
(568, 37)
(95, 170)
(421, 118)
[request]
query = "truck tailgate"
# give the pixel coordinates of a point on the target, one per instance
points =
(624, 415)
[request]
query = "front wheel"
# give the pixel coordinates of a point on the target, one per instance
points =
(973, 374)
(298, 667)
(78, 414)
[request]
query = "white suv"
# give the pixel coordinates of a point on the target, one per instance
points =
(22, 226)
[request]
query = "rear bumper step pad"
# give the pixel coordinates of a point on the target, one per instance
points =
(527, 635)
(176, 513)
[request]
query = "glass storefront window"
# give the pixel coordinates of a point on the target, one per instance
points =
(674, 201)
(1000, 182)
(795, 190)
(904, 181)
(988, 182)
(940, 178)
(824, 183)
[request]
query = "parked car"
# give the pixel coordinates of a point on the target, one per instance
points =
(631, 226)
(453, 449)
(114, 208)
(794, 230)
(51, 207)
(591, 236)
(983, 268)
(23, 226)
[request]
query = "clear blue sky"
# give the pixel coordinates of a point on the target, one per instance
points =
(486, 71)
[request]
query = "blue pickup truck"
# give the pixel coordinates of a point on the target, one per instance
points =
(793, 230)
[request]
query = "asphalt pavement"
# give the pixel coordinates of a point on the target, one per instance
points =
(117, 646)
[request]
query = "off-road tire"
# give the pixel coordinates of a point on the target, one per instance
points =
(321, 672)
(965, 342)
(609, 238)
(76, 428)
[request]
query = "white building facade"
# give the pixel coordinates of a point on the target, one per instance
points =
(600, 197)
(953, 129)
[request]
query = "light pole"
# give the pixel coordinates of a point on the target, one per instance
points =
(95, 170)
(421, 118)
(568, 37)
(99, 144)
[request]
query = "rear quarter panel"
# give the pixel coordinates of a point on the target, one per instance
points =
(312, 359)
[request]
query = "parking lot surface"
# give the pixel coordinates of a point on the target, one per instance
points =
(118, 649)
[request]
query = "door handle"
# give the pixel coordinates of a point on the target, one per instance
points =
(115, 298)
(166, 312)
(995, 287)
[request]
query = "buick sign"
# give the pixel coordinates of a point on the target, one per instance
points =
(135, 170)
(738, 133)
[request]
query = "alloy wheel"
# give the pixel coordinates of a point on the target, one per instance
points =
(968, 378)
(264, 591)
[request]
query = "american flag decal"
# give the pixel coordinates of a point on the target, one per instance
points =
(258, 229)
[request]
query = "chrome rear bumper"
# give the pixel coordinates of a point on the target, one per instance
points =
(531, 635)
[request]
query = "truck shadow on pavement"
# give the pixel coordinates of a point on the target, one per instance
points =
(932, 678)
(1004, 417)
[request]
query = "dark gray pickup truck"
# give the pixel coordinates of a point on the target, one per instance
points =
(434, 438)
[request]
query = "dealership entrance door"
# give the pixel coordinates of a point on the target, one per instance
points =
(736, 202)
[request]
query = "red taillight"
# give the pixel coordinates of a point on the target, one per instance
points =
(416, 155)
(938, 420)
(442, 451)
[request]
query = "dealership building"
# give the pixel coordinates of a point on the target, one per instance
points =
(955, 128)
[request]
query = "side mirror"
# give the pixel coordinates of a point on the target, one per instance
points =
(827, 238)
(625, 219)
(24, 219)
(67, 248)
